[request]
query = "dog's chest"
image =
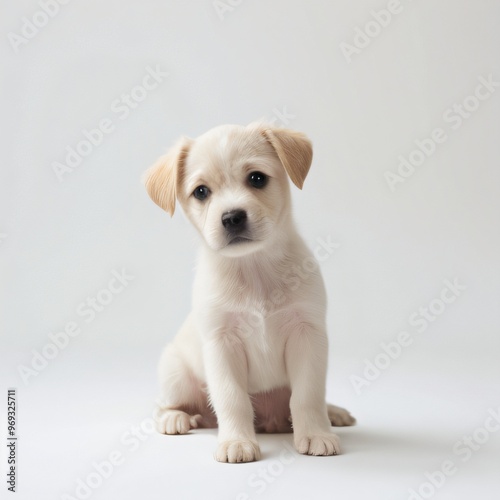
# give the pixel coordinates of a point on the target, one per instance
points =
(259, 291)
(264, 350)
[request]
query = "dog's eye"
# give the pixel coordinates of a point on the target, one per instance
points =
(201, 192)
(257, 179)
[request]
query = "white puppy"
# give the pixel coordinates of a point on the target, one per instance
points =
(254, 347)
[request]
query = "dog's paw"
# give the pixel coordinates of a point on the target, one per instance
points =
(169, 421)
(340, 417)
(323, 444)
(237, 451)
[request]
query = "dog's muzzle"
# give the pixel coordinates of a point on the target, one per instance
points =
(235, 222)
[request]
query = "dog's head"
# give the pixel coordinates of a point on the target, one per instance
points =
(232, 183)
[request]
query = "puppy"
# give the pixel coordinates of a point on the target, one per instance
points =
(252, 354)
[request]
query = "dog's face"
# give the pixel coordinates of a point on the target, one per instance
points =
(232, 183)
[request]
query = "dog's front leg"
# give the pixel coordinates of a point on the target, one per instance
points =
(306, 355)
(227, 379)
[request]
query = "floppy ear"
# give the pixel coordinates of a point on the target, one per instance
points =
(294, 150)
(162, 179)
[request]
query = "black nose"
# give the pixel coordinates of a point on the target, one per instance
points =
(234, 221)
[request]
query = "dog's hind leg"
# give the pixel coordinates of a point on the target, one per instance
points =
(339, 417)
(182, 404)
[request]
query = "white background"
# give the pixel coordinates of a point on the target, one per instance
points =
(61, 240)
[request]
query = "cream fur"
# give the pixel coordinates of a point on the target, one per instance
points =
(252, 354)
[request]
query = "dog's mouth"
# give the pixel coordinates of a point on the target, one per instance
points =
(238, 240)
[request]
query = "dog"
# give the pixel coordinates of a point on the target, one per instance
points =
(252, 354)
